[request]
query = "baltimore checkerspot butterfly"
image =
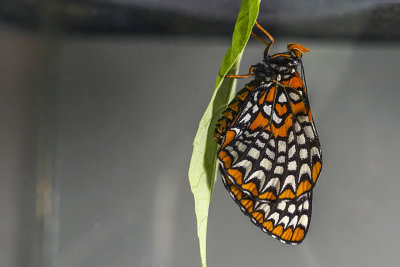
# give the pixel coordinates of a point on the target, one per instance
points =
(270, 155)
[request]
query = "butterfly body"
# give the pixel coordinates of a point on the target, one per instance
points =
(269, 155)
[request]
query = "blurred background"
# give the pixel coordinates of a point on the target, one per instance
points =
(99, 104)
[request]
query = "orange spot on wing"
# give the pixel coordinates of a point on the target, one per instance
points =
(278, 230)
(247, 204)
(268, 195)
(316, 170)
(309, 115)
(270, 96)
(298, 234)
(236, 175)
(229, 137)
(225, 158)
(303, 187)
(268, 225)
(260, 121)
(299, 108)
(258, 216)
(251, 187)
(262, 99)
(281, 109)
(287, 234)
(287, 194)
(283, 130)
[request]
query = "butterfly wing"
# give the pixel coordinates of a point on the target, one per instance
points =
(271, 150)
(270, 158)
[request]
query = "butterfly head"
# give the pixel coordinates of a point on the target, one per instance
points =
(297, 50)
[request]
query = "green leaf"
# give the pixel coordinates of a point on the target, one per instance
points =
(203, 164)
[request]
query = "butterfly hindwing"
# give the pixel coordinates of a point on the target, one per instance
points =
(287, 220)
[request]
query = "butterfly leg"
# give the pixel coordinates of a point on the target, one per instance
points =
(251, 70)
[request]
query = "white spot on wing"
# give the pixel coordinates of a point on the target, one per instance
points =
(284, 221)
(266, 164)
(303, 153)
(301, 139)
(274, 182)
(246, 118)
(260, 144)
(293, 222)
(305, 169)
(303, 220)
(292, 166)
(276, 118)
(254, 153)
(245, 164)
(309, 132)
(291, 151)
(240, 146)
(278, 170)
(282, 98)
(281, 205)
(294, 96)
(290, 180)
(292, 208)
(270, 154)
(267, 109)
(281, 146)
(255, 109)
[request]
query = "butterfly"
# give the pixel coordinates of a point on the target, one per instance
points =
(269, 155)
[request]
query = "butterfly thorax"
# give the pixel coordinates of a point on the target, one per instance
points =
(277, 67)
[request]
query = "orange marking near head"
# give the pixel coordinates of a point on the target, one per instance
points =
(262, 99)
(251, 187)
(228, 138)
(298, 234)
(271, 93)
(304, 186)
(260, 121)
(316, 170)
(278, 230)
(247, 204)
(225, 158)
(236, 175)
(287, 194)
(283, 130)
(258, 216)
(268, 225)
(281, 109)
(268, 195)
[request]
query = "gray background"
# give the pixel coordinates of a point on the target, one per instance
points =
(96, 137)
